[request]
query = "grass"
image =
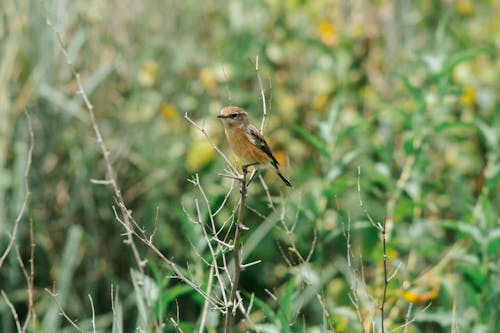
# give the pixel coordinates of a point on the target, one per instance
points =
(381, 113)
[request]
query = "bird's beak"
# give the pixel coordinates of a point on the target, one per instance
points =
(221, 116)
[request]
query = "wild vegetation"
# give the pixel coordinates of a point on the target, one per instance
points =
(122, 208)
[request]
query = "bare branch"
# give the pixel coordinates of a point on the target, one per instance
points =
(231, 306)
(13, 311)
(176, 321)
(27, 192)
(177, 272)
(104, 150)
(326, 314)
(62, 312)
(268, 194)
(361, 203)
(262, 95)
(409, 321)
(204, 312)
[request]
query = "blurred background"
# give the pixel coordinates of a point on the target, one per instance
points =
(400, 97)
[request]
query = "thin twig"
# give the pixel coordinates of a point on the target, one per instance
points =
(226, 197)
(361, 203)
(204, 312)
(326, 314)
(353, 277)
(13, 311)
(246, 313)
(102, 145)
(62, 312)
(173, 266)
(234, 171)
(381, 227)
(212, 252)
(386, 281)
(409, 321)
(262, 95)
(407, 318)
(105, 152)
(268, 194)
(27, 193)
(30, 280)
(176, 321)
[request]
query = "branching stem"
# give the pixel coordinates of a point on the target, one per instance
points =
(228, 321)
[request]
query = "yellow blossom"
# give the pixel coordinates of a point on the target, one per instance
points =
(465, 7)
(468, 96)
(420, 296)
(327, 33)
(168, 111)
(200, 153)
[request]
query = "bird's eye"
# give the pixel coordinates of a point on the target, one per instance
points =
(234, 115)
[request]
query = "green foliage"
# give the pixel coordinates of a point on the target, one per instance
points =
(405, 92)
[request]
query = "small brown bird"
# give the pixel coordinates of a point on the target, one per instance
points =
(246, 141)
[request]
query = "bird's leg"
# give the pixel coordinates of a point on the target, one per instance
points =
(252, 176)
(244, 168)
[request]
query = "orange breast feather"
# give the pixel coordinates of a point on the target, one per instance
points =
(243, 148)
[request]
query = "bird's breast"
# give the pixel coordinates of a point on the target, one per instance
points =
(243, 148)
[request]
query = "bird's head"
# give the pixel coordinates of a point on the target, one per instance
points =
(233, 116)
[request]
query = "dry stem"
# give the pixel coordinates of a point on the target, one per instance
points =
(27, 193)
(231, 306)
(104, 150)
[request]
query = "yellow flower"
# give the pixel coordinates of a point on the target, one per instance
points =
(468, 96)
(200, 153)
(148, 73)
(168, 111)
(319, 102)
(327, 33)
(420, 296)
(465, 7)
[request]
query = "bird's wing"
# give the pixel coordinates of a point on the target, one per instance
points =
(259, 141)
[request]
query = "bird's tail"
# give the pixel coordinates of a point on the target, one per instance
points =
(283, 178)
(276, 168)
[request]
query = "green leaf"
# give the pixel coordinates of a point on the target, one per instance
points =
(494, 243)
(468, 229)
(64, 281)
(286, 301)
(145, 291)
(171, 294)
(460, 57)
(314, 141)
(474, 274)
(117, 314)
(414, 91)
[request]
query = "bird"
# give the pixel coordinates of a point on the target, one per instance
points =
(247, 142)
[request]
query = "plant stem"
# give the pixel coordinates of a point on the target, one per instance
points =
(228, 322)
(386, 282)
